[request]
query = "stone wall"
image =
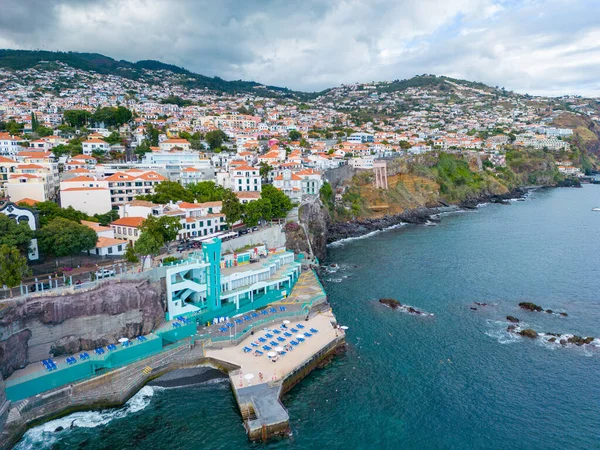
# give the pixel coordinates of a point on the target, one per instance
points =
(336, 177)
(32, 329)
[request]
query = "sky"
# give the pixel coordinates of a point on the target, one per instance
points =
(540, 47)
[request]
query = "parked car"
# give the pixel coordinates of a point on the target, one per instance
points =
(105, 273)
(254, 228)
(39, 286)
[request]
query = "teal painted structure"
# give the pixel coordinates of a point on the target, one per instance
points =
(65, 374)
(211, 251)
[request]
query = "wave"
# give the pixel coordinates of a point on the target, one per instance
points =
(344, 241)
(45, 436)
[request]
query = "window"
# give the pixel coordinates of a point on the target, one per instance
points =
(119, 230)
(129, 231)
(135, 232)
(120, 248)
(110, 250)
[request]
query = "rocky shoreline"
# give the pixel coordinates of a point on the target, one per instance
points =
(344, 230)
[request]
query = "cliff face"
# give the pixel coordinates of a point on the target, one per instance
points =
(36, 328)
(315, 220)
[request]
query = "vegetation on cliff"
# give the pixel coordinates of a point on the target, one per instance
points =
(432, 179)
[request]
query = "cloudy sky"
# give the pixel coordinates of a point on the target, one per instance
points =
(530, 46)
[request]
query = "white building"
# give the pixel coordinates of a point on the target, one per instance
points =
(94, 144)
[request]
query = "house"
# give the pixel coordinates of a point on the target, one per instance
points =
(125, 186)
(169, 144)
(94, 145)
(107, 245)
(245, 178)
(127, 228)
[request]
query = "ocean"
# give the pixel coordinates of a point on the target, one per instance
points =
(453, 380)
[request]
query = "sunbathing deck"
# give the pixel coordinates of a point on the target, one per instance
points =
(275, 371)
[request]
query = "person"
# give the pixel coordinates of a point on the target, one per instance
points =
(260, 375)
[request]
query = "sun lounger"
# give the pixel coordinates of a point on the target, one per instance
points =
(258, 352)
(247, 350)
(273, 343)
(314, 330)
(294, 343)
(280, 339)
(238, 321)
(276, 331)
(266, 348)
(268, 335)
(246, 318)
(111, 347)
(293, 330)
(99, 351)
(286, 334)
(253, 344)
(299, 325)
(307, 334)
(254, 315)
(282, 308)
(262, 339)
(264, 312)
(300, 339)
(282, 353)
(272, 310)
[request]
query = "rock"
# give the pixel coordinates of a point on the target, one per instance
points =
(58, 429)
(564, 314)
(481, 304)
(579, 341)
(512, 319)
(554, 334)
(474, 309)
(552, 339)
(392, 303)
(563, 342)
(528, 332)
(549, 311)
(511, 328)
(530, 306)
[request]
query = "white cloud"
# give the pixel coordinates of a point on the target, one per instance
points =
(535, 46)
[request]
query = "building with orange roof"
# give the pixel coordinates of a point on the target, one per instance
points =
(170, 144)
(125, 187)
(128, 228)
(9, 145)
(107, 245)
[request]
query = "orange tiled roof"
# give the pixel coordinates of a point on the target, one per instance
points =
(129, 221)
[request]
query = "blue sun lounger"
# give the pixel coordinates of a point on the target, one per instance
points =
(299, 325)
(239, 321)
(286, 334)
(272, 310)
(247, 349)
(111, 347)
(280, 339)
(268, 335)
(294, 343)
(276, 332)
(282, 308)
(254, 315)
(283, 353)
(307, 334)
(273, 343)
(253, 344)
(264, 312)
(262, 339)
(293, 330)
(314, 330)
(266, 348)
(300, 339)
(258, 352)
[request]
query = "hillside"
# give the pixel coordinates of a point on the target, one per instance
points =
(95, 62)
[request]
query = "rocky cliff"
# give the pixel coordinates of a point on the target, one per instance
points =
(314, 220)
(36, 328)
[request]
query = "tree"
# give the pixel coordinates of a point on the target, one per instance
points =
(280, 203)
(215, 138)
(34, 123)
(15, 234)
(294, 135)
(143, 148)
(50, 210)
(264, 170)
(152, 135)
(169, 191)
(206, 191)
(63, 237)
(163, 228)
(113, 138)
(147, 245)
(256, 211)
(232, 208)
(130, 255)
(77, 118)
(43, 131)
(13, 267)
(106, 218)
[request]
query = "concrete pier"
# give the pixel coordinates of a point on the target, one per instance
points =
(260, 381)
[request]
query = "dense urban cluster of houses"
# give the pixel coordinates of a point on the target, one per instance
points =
(289, 144)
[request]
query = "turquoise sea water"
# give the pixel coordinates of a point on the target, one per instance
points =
(456, 380)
